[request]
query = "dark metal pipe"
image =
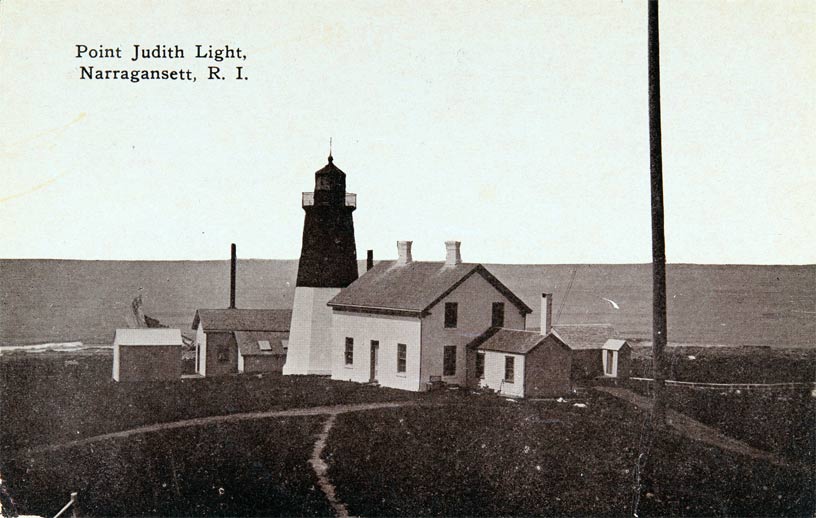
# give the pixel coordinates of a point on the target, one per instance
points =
(370, 260)
(233, 268)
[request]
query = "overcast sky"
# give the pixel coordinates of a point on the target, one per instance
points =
(519, 128)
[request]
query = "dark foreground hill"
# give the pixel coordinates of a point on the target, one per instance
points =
(63, 300)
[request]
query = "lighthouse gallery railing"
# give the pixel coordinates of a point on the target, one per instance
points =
(308, 199)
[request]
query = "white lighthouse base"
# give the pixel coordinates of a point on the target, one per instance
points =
(310, 335)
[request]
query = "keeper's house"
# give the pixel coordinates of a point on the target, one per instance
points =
(405, 323)
(233, 340)
(146, 354)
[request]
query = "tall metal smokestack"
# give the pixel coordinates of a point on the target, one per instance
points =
(370, 260)
(233, 267)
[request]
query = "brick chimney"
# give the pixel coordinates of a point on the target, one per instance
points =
(404, 252)
(370, 260)
(453, 255)
(546, 313)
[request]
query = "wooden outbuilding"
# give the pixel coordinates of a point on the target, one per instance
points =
(233, 340)
(261, 351)
(617, 356)
(586, 342)
(523, 363)
(146, 354)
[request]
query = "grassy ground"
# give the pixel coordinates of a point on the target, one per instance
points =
(255, 468)
(730, 364)
(261, 465)
(46, 400)
(478, 455)
(544, 458)
(779, 421)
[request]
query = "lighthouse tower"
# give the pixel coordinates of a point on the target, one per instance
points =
(328, 263)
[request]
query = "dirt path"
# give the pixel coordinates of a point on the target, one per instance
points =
(321, 469)
(694, 429)
(203, 421)
(316, 460)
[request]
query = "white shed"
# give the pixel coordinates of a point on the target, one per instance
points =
(146, 354)
(615, 355)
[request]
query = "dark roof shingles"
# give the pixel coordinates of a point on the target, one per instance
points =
(243, 319)
(585, 336)
(513, 341)
(248, 342)
(412, 287)
(516, 341)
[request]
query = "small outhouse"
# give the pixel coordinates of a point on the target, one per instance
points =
(616, 355)
(146, 354)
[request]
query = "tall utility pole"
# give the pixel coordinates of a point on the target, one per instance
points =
(659, 324)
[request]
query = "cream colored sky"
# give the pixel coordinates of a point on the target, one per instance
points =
(520, 128)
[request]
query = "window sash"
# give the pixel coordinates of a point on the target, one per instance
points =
(349, 353)
(401, 357)
(451, 314)
(480, 359)
(498, 314)
(449, 361)
(509, 368)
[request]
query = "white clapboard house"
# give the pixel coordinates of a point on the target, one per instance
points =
(406, 324)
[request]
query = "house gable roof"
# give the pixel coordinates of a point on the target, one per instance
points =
(243, 319)
(584, 337)
(574, 337)
(615, 345)
(512, 341)
(147, 337)
(414, 287)
(249, 342)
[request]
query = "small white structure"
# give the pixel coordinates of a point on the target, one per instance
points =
(146, 354)
(615, 356)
